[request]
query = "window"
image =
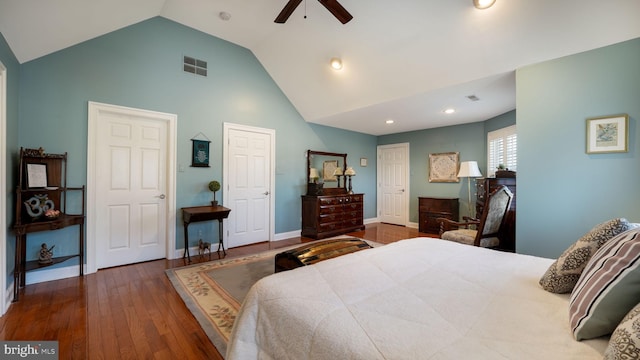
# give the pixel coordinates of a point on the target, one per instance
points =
(502, 148)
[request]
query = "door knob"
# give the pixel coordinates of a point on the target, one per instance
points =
(266, 193)
(161, 196)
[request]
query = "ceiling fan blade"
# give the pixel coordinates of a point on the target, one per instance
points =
(287, 11)
(337, 10)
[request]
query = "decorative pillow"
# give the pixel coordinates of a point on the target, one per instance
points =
(608, 288)
(625, 340)
(563, 274)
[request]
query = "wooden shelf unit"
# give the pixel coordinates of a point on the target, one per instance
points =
(56, 190)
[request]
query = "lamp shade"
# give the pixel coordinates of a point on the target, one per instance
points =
(350, 171)
(313, 173)
(469, 169)
(338, 171)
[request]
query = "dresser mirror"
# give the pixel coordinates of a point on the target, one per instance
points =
(322, 178)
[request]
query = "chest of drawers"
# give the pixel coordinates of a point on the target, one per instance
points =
(431, 208)
(330, 215)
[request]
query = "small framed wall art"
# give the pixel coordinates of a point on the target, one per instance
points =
(443, 167)
(200, 153)
(608, 134)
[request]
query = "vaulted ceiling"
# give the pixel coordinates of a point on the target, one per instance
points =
(405, 60)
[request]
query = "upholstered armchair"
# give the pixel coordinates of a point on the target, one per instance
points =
(487, 227)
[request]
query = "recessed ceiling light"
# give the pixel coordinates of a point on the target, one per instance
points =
(336, 63)
(483, 4)
(389, 121)
(224, 15)
(449, 111)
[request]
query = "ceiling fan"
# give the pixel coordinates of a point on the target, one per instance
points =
(332, 5)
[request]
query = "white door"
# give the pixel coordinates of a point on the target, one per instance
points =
(248, 184)
(393, 183)
(131, 182)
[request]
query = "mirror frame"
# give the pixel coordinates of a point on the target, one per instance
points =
(326, 191)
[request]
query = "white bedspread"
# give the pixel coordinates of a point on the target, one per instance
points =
(414, 299)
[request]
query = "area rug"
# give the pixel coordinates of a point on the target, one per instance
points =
(213, 291)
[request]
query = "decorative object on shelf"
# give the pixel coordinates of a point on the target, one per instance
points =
(200, 151)
(46, 254)
(36, 176)
(443, 167)
(214, 186)
(38, 205)
(338, 173)
(363, 162)
(504, 172)
(349, 173)
(328, 169)
(52, 214)
(608, 134)
(469, 169)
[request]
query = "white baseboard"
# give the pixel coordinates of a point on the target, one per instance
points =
(8, 300)
(34, 277)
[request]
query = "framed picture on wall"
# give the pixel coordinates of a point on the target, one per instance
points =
(200, 153)
(443, 167)
(608, 134)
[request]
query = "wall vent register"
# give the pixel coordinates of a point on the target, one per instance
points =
(195, 66)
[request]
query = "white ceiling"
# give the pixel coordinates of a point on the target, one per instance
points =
(405, 60)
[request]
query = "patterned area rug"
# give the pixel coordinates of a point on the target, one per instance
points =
(212, 303)
(213, 291)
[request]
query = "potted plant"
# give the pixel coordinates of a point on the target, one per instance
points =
(214, 186)
(504, 172)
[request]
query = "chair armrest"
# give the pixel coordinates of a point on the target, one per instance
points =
(447, 224)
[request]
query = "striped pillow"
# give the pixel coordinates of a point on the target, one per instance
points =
(608, 288)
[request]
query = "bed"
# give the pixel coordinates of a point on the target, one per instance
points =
(420, 298)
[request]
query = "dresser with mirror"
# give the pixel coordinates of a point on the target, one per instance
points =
(327, 207)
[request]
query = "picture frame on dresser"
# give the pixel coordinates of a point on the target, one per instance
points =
(608, 134)
(36, 176)
(444, 167)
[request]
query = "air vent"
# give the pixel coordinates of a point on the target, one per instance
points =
(195, 66)
(473, 98)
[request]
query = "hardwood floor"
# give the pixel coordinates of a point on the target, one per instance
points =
(131, 312)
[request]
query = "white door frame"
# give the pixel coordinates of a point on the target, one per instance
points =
(272, 173)
(94, 113)
(3, 193)
(407, 181)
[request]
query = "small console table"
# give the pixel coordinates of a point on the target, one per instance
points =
(203, 213)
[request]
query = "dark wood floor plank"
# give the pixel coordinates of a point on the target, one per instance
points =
(133, 311)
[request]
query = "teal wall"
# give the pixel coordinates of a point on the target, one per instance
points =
(470, 140)
(562, 191)
(141, 66)
(12, 66)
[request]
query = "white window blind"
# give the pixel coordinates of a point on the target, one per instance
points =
(502, 149)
